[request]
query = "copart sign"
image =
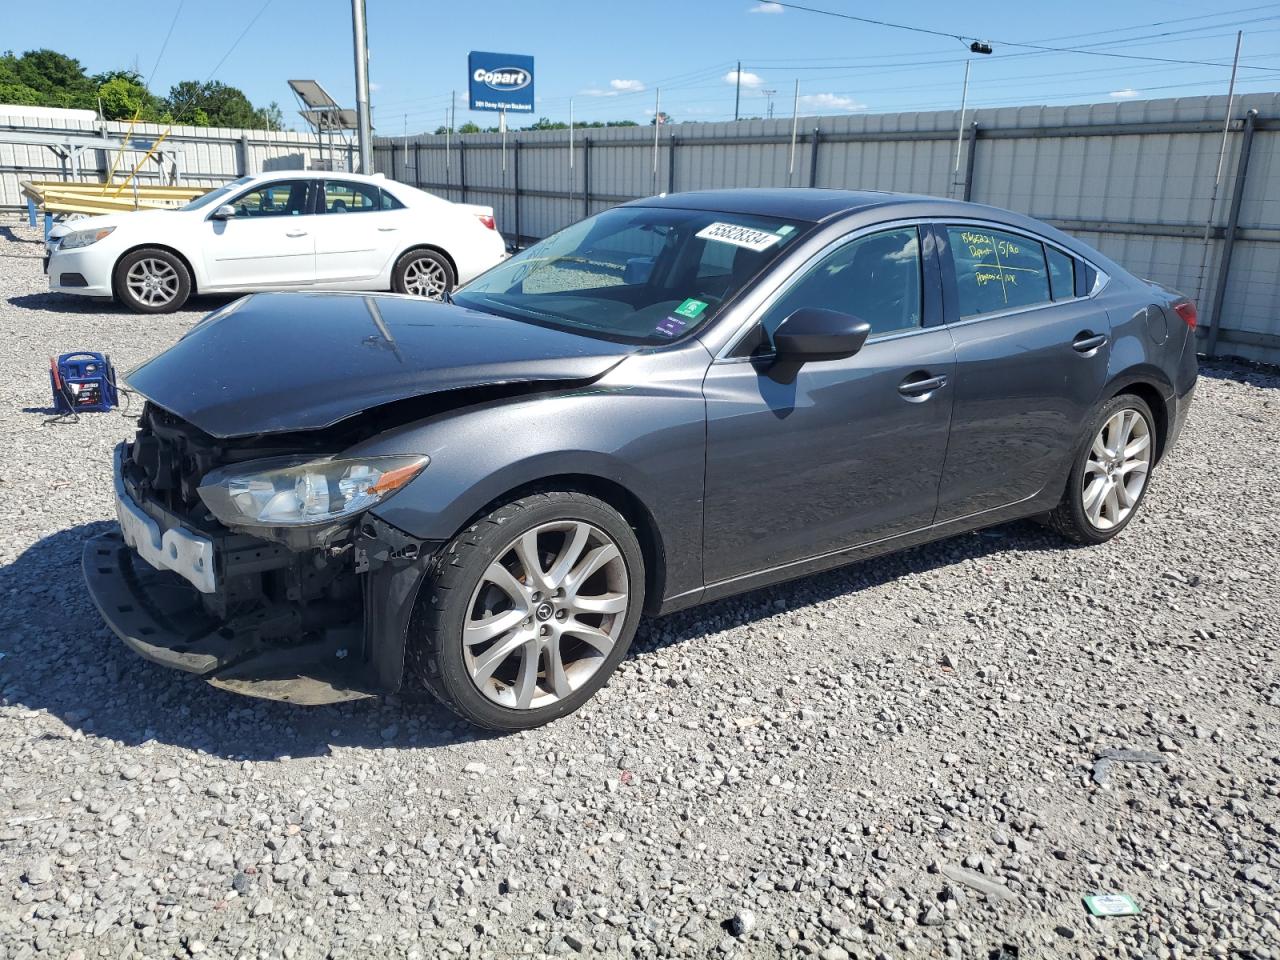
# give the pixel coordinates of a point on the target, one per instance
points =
(500, 81)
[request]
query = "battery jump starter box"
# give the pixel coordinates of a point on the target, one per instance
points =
(83, 383)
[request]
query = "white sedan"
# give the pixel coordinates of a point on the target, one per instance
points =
(277, 231)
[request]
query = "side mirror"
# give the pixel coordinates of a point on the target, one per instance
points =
(224, 212)
(637, 270)
(812, 334)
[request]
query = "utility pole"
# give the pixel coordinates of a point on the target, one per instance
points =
(769, 94)
(737, 90)
(964, 103)
(657, 122)
(364, 119)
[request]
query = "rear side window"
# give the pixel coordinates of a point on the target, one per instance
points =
(997, 271)
(1062, 274)
(389, 202)
(345, 196)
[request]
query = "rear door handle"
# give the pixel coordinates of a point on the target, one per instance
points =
(295, 233)
(1088, 342)
(387, 229)
(921, 389)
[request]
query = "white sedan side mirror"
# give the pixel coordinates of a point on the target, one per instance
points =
(224, 212)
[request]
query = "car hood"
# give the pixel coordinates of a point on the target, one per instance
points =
(279, 362)
(132, 217)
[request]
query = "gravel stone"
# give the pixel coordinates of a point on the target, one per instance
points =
(896, 758)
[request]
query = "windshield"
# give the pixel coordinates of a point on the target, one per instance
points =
(633, 274)
(215, 197)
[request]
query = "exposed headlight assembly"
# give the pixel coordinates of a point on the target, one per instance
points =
(300, 491)
(84, 238)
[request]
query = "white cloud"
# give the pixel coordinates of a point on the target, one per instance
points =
(615, 87)
(749, 79)
(766, 8)
(830, 101)
(1128, 93)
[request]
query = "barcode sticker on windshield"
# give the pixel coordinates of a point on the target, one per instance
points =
(739, 236)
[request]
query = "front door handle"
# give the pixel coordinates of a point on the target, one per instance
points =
(295, 233)
(1087, 342)
(386, 229)
(921, 389)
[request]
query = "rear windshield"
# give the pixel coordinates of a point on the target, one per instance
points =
(633, 274)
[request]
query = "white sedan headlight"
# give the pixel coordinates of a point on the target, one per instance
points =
(84, 238)
(298, 491)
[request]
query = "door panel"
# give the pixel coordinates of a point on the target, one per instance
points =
(269, 242)
(355, 236)
(837, 458)
(852, 450)
(1025, 383)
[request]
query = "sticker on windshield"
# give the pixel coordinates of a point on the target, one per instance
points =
(672, 326)
(739, 236)
(691, 308)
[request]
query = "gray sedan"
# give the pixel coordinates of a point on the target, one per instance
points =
(677, 400)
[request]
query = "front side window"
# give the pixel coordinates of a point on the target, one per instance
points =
(874, 278)
(346, 196)
(287, 198)
(634, 274)
(997, 271)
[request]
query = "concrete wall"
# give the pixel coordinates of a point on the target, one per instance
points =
(1134, 179)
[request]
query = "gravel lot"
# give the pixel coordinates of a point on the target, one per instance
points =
(908, 756)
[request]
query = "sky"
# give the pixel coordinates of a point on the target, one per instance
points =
(611, 59)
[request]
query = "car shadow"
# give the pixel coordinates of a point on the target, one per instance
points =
(52, 302)
(57, 656)
(1251, 372)
(1025, 536)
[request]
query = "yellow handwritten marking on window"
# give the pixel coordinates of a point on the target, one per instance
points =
(983, 277)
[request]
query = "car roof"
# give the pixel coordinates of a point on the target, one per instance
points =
(318, 175)
(792, 203)
(805, 203)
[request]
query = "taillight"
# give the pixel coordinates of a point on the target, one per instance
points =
(1187, 311)
(487, 220)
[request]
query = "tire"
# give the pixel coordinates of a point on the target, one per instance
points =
(152, 280)
(503, 677)
(1095, 507)
(423, 273)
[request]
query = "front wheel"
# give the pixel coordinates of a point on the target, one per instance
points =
(423, 273)
(152, 280)
(530, 610)
(1110, 474)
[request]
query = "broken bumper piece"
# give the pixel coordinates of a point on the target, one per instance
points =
(162, 617)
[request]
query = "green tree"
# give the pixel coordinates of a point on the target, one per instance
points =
(224, 105)
(123, 96)
(469, 127)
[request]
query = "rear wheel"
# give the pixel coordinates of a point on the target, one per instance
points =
(423, 273)
(1110, 474)
(152, 280)
(530, 611)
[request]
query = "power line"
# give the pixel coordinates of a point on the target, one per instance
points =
(1007, 43)
(164, 46)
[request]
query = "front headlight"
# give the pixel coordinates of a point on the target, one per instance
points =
(83, 238)
(298, 491)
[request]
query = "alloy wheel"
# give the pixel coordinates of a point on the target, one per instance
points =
(546, 614)
(1117, 469)
(152, 281)
(425, 277)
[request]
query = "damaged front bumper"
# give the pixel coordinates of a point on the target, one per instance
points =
(307, 654)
